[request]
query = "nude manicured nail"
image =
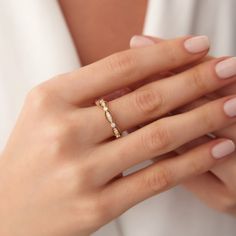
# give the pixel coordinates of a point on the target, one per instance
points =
(227, 68)
(197, 44)
(230, 107)
(140, 41)
(223, 149)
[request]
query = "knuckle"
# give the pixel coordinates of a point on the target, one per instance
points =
(76, 120)
(57, 141)
(121, 63)
(38, 97)
(197, 80)
(196, 167)
(84, 170)
(210, 122)
(102, 212)
(66, 178)
(157, 140)
(60, 135)
(61, 130)
(227, 204)
(158, 180)
(91, 215)
(147, 101)
(171, 53)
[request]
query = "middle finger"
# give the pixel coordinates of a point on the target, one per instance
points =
(158, 98)
(162, 136)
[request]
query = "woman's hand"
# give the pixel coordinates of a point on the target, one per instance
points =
(217, 187)
(58, 171)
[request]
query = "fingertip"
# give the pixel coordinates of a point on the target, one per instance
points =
(138, 41)
(223, 148)
(197, 44)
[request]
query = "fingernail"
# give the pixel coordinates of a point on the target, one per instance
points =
(230, 107)
(223, 149)
(140, 41)
(227, 68)
(197, 44)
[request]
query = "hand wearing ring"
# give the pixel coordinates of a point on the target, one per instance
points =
(68, 172)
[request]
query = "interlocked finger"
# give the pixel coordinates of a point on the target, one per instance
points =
(158, 98)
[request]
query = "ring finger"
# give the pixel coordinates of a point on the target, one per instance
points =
(226, 171)
(161, 137)
(158, 98)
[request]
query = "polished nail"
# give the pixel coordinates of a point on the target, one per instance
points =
(223, 149)
(197, 44)
(230, 107)
(140, 41)
(227, 68)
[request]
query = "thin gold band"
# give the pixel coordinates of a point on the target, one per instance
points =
(104, 105)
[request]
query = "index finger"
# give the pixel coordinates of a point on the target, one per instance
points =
(125, 68)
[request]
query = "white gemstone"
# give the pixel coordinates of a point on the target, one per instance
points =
(116, 132)
(113, 125)
(103, 103)
(108, 116)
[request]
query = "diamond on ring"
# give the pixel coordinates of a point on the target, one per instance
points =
(104, 105)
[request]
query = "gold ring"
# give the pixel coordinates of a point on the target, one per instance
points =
(104, 105)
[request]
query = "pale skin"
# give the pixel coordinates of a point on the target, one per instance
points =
(62, 162)
(216, 187)
(93, 42)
